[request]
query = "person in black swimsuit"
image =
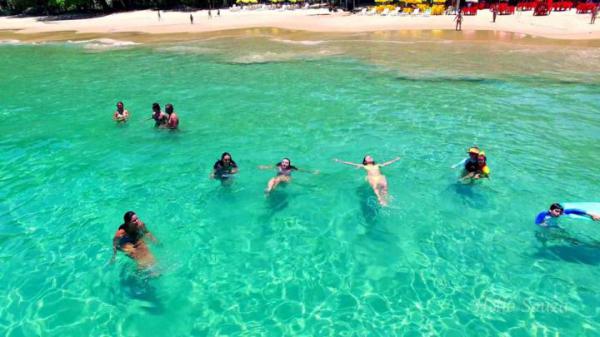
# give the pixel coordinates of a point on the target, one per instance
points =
(129, 239)
(160, 118)
(224, 168)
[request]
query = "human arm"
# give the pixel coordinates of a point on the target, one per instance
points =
(348, 163)
(306, 171)
(147, 233)
(390, 161)
(461, 163)
(541, 218)
(580, 212)
(118, 235)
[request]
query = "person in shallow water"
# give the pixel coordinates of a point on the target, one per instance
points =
(481, 170)
(121, 115)
(160, 118)
(129, 239)
(284, 173)
(224, 168)
(374, 177)
(549, 218)
(172, 118)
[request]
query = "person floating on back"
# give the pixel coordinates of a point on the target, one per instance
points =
(224, 168)
(284, 173)
(121, 115)
(374, 177)
(160, 118)
(172, 118)
(129, 239)
(550, 218)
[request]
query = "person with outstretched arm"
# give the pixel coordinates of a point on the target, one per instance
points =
(549, 218)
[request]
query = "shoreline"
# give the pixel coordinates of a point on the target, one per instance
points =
(559, 26)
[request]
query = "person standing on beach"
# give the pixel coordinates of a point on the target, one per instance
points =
(172, 119)
(209, 14)
(494, 13)
(218, 12)
(191, 19)
(458, 20)
(158, 13)
(594, 14)
(121, 115)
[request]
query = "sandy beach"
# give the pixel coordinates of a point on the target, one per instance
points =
(559, 25)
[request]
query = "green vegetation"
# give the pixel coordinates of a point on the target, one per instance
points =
(45, 7)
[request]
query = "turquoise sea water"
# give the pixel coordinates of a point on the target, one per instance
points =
(318, 257)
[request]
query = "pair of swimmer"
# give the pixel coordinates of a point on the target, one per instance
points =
(167, 119)
(376, 180)
(130, 239)
(475, 166)
(226, 167)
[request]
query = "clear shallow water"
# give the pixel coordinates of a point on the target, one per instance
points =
(318, 257)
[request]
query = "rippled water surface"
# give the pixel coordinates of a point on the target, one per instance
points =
(318, 257)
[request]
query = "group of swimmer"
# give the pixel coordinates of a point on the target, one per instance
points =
(168, 119)
(225, 168)
(130, 236)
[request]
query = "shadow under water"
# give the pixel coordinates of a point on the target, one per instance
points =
(138, 286)
(577, 251)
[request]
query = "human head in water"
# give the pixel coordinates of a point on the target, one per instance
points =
(285, 163)
(156, 107)
(481, 159)
(368, 160)
(120, 106)
(556, 210)
(473, 152)
(130, 218)
(226, 158)
(169, 108)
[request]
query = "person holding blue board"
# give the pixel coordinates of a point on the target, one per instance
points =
(550, 218)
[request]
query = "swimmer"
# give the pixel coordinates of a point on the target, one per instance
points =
(470, 164)
(121, 115)
(481, 170)
(172, 119)
(129, 239)
(374, 177)
(549, 218)
(224, 168)
(160, 119)
(284, 173)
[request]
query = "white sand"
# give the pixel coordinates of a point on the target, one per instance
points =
(558, 25)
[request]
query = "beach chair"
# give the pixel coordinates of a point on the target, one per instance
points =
(427, 12)
(373, 11)
(395, 11)
(416, 12)
(385, 12)
(363, 12)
